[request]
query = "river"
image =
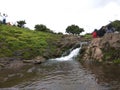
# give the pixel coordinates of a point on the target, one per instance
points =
(64, 73)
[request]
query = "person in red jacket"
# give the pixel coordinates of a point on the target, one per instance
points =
(94, 34)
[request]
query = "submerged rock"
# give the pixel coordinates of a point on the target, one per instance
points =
(37, 60)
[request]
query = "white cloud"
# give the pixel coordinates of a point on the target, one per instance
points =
(102, 3)
(58, 14)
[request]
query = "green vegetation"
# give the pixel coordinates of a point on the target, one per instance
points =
(112, 54)
(42, 28)
(117, 61)
(24, 43)
(87, 36)
(21, 23)
(74, 29)
(116, 24)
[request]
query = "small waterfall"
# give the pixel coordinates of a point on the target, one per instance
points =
(72, 54)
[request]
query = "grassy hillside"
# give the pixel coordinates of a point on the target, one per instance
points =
(24, 43)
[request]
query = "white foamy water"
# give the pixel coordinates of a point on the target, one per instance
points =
(72, 54)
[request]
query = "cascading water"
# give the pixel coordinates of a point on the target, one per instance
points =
(72, 54)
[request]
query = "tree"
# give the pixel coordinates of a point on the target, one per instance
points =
(116, 25)
(43, 28)
(74, 29)
(21, 23)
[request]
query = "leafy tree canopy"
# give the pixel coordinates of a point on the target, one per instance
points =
(43, 28)
(74, 29)
(21, 23)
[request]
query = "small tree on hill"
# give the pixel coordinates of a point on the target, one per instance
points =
(74, 29)
(43, 28)
(21, 23)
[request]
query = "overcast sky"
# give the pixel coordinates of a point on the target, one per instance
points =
(58, 14)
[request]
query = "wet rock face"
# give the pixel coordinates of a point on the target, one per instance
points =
(69, 41)
(65, 43)
(103, 48)
(93, 51)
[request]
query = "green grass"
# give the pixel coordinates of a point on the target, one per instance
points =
(111, 54)
(86, 37)
(117, 61)
(25, 43)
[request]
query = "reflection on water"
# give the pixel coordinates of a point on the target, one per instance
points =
(66, 75)
(107, 75)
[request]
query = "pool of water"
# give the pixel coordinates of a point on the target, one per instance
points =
(62, 75)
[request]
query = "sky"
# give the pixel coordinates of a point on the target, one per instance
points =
(57, 15)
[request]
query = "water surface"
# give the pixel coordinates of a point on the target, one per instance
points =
(64, 73)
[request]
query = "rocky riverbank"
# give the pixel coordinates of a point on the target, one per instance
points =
(105, 49)
(64, 43)
(20, 46)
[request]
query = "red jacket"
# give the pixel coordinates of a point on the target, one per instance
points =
(94, 34)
